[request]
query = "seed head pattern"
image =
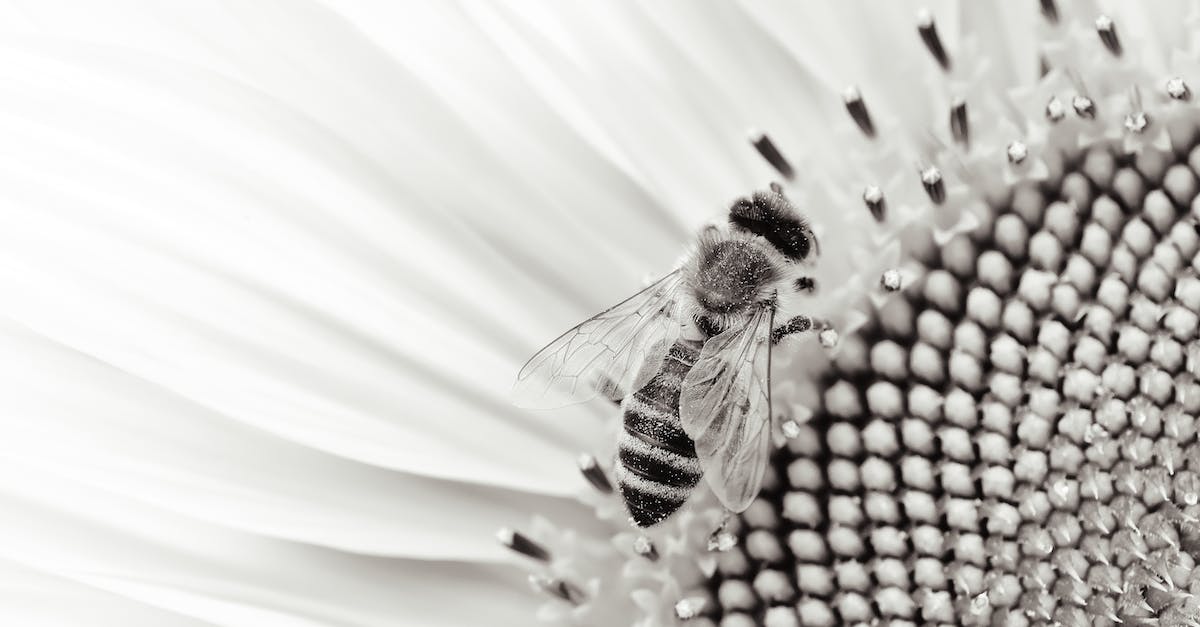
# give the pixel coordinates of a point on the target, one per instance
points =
(1000, 428)
(1011, 439)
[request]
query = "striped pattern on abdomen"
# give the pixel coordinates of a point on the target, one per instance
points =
(656, 466)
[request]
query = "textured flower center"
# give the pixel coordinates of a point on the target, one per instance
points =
(1013, 436)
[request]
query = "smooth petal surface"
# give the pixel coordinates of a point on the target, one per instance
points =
(116, 433)
(216, 576)
(260, 261)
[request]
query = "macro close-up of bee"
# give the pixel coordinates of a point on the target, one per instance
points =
(689, 359)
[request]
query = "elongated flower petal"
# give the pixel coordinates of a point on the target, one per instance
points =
(199, 319)
(121, 434)
(219, 576)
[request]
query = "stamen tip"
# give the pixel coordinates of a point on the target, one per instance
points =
(1084, 107)
(1055, 111)
(890, 280)
(1108, 34)
(931, 179)
(687, 609)
(1177, 89)
(645, 548)
(1017, 152)
(518, 542)
(853, 100)
(873, 198)
(594, 473)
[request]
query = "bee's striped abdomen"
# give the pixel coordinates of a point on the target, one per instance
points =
(656, 465)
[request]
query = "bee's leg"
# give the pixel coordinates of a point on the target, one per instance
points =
(799, 324)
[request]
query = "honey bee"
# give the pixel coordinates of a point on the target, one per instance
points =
(689, 357)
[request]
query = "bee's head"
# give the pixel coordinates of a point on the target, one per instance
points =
(771, 216)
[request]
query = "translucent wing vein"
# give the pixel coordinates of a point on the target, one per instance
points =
(615, 352)
(725, 407)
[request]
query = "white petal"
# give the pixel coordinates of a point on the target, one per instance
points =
(82, 421)
(233, 251)
(35, 599)
(226, 577)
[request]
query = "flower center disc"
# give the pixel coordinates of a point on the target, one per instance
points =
(1011, 436)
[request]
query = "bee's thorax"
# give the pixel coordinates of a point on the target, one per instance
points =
(731, 275)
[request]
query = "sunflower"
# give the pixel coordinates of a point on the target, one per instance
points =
(268, 270)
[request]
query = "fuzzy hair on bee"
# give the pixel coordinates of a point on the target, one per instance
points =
(727, 274)
(689, 359)
(771, 216)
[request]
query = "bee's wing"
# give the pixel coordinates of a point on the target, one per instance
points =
(617, 351)
(725, 406)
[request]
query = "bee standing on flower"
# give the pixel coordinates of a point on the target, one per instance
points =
(694, 348)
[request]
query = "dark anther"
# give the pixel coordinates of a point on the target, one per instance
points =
(931, 179)
(928, 30)
(1137, 122)
(1178, 90)
(520, 543)
(959, 128)
(594, 474)
(1054, 109)
(873, 198)
(1084, 107)
(891, 280)
(559, 588)
(1108, 34)
(858, 111)
(1050, 11)
(767, 149)
(645, 548)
